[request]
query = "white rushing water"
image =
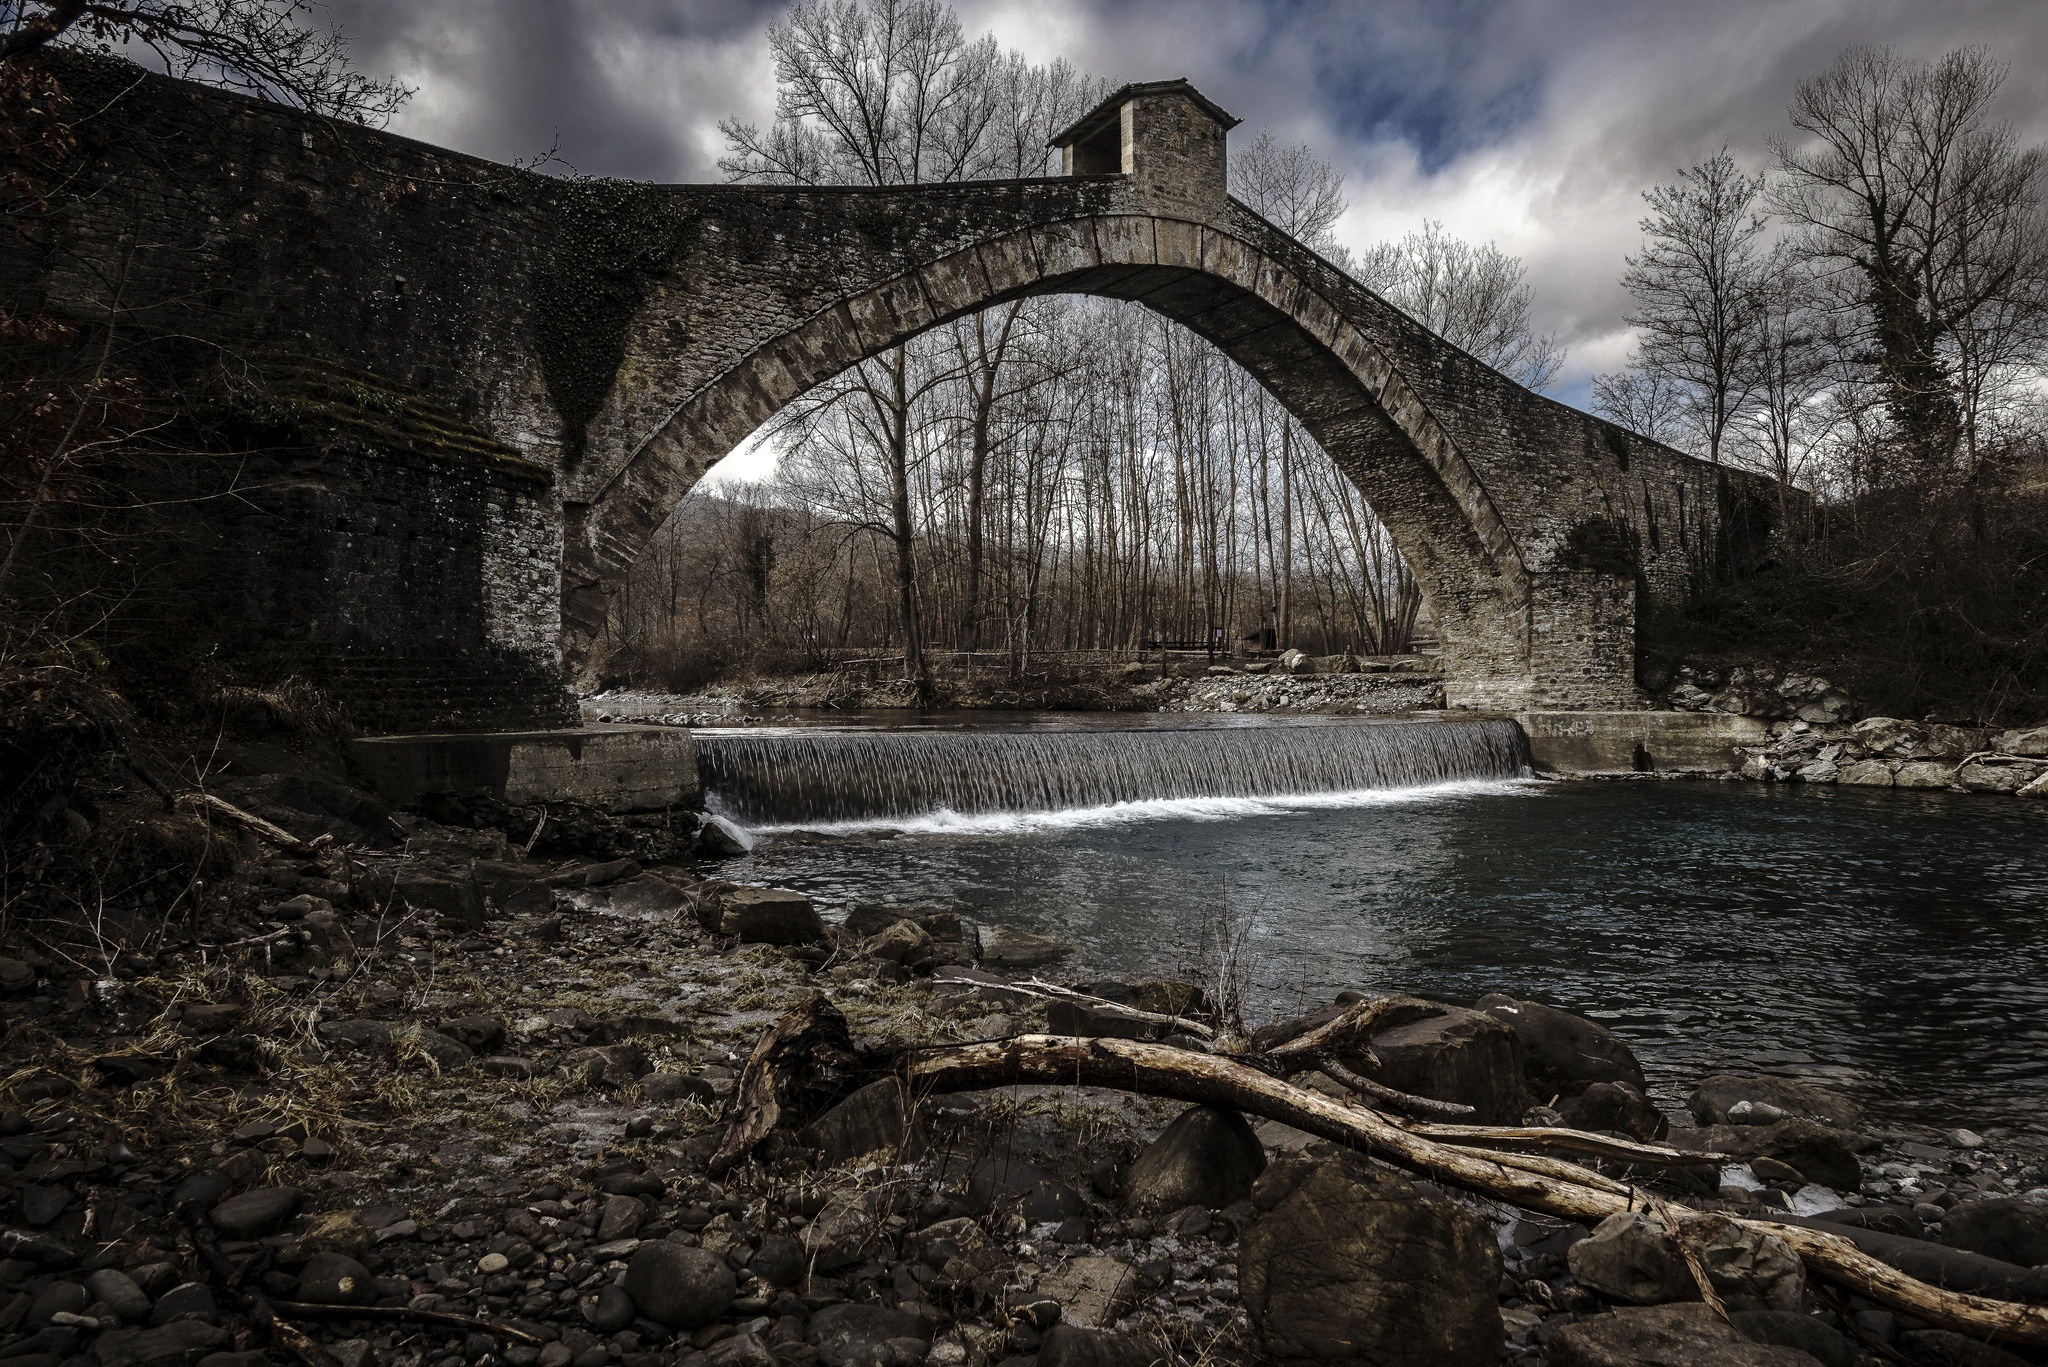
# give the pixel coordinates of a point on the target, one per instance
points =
(1006, 781)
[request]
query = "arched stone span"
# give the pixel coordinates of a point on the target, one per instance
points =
(1535, 531)
(1256, 309)
(499, 383)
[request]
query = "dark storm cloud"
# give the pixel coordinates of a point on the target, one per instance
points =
(1534, 123)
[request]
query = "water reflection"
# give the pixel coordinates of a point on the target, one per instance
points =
(1888, 938)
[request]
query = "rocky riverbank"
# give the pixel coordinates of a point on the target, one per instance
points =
(444, 1078)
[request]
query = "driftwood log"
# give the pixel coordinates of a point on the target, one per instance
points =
(779, 1063)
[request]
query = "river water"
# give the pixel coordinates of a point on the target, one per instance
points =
(1889, 940)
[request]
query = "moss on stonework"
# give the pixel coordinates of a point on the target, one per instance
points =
(317, 398)
(612, 239)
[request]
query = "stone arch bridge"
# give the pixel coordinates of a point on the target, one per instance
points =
(484, 389)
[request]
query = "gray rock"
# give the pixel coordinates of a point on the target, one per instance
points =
(1449, 1054)
(1088, 1021)
(1207, 1157)
(1004, 1181)
(1818, 1153)
(2032, 742)
(1351, 1264)
(1925, 773)
(718, 838)
(58, 1298)
(1009, 947)
(483, 1034)
(1616, 1107)
(447, 1055)
(2011, 1229)
(255, 1357)
(849, 1335)
(1999, 773)
(1665, 1336)
(614, 1311)
(1711, 1101)
(256, 1213)
(513, 889)
(16, 978)
(1068, 1345)
(621, 1217)
(336, 1279)
(353, 1353)
(1630, 1259)
(1796, 1329)
(1943, 1348)
(743, 1349)
(117, 1291)
(1562, 1054)
(780, 1261)
(170, 1345)
(683, 1288)
(187, 1300)
(875, 1117)
(770, 916)
(41, 1203)
(906, 943)
(674, 1087)
(358, 1034)
(1092, 1292)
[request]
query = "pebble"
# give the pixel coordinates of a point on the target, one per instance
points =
(492, 1263)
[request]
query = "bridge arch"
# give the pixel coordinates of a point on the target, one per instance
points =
(1252, 303)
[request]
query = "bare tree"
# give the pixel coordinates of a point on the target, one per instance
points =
(1642, 399)
(1473, 297)
(1926, 216)
(1290, 187)
(1791, 355)
(1696, 283)
(266, 48)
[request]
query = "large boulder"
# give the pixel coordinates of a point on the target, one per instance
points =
(1666, 1336)
(1925, 773)
(1631, 1259)
(2011, 1229)
(1563, 1054)
(1068, 1345)
(1348, 1264)
(1004, 946)
(851, 1335)
(2031, 742)
(1999, 773)
(1717, 1095)
(878, 1116)
(1615, 1107)
(1449, 1054)
(683, 1288)
(770, 916)
(1819, 1154)
(1092, 1292)
(1207, 1157)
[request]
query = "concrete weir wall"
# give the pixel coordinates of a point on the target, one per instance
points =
(1638, 742)
(614, 768)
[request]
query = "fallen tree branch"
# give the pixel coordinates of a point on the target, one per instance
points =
(1347, 1028)
(1569, 1141)
(305, 1310)
(1045, 991)
(1158, 1070)
(281, 1332)
(206, 804)
(1329, 1067)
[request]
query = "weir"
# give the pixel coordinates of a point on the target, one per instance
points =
(836, 776)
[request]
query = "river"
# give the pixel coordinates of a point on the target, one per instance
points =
(1888, 940)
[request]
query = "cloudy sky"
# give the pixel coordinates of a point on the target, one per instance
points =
(1532, 123)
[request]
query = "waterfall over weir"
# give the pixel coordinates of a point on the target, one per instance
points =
(809, 777)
